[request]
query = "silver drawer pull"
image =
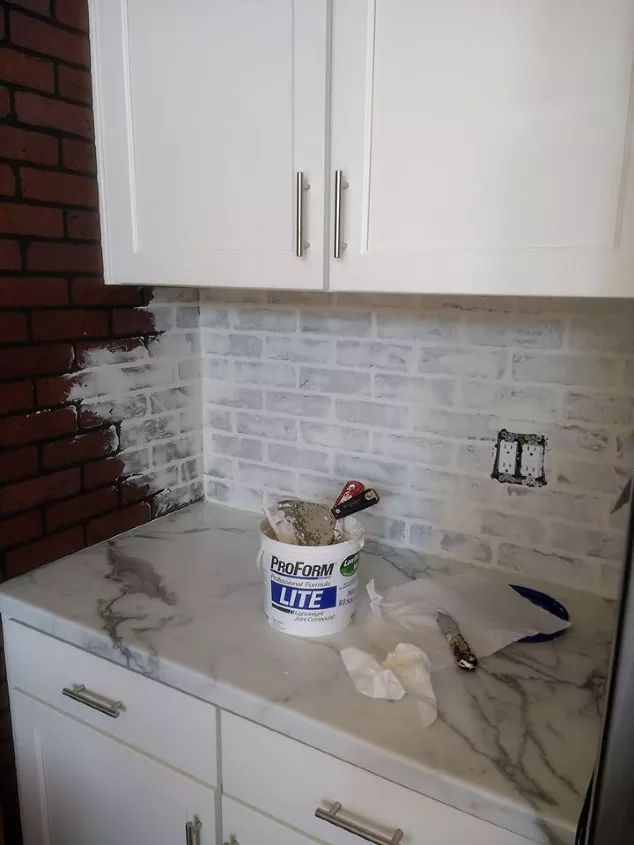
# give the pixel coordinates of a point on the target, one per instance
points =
(300, 187)
(332, 817)
(339, 186)
(107, 706)
(192, 832)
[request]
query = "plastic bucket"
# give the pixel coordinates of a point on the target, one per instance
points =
(311, 591)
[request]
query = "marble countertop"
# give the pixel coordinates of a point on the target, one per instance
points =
(179, 600)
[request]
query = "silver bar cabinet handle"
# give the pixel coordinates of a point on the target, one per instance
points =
(300, 187)
(338, 188)
(192, 832)
(332, 817)
(107, 706)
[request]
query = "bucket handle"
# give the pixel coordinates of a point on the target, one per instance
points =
(258, 562)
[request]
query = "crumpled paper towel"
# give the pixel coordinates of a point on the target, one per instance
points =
(369, 677)
(412, 667)
(407, 669)
(491, 615)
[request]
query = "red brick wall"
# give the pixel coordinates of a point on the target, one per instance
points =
(60, 485)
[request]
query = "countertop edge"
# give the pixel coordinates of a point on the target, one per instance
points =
(288, 722)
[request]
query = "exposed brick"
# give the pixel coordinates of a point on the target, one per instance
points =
(76, 450)
(99, 473)
(118, 351)
(74, 84)
(35, 360)
(132, 321)
(7, 180)
(79, 155)
(50, 548)
(69, 324)
(46, 111)
(83, 225)
(16, 396)
(5, 102)
(115, 523)
(30, 71)
(53, 391)
(19, 529)
(42, 7)
(7, 757)
(91, 291)
(5, 721)
(81, 508)
(45, 488)
(23, 219)
(72, 13)
(64, 257)
(10, 258)
(18, 464)
(65, 188)
(27, 145)
(4, 705)
(27, 428)
(36, 291)
(50, 40)
(13, 328)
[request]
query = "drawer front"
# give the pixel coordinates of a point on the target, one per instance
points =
(289, 780)
(243, 826)
(154, 718)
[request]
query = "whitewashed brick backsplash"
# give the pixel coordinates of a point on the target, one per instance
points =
(304, 391)
(154, 392)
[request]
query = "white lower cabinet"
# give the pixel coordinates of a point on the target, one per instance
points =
(108, 757)
(333, 801)
(79, 787)
(243, 826)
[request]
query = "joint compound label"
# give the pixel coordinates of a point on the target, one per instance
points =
(311, 594)
(289, 598)
(301, 569)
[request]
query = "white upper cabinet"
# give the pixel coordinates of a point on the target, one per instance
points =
(205, 112)
(484, 145)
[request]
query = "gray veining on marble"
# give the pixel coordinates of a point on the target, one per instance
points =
(180, 601)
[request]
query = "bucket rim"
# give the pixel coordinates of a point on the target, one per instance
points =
(359, 539)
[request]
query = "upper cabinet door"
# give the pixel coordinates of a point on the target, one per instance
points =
(484, 146)
(206, 111)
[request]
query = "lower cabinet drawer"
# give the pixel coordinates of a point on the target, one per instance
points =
(244, 826)
(290, 781)
(162, 722)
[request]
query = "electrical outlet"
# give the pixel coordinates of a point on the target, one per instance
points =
(519, 459)
(532, 461)
(507, 457)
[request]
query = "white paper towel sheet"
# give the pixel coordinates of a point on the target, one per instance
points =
(490, 614)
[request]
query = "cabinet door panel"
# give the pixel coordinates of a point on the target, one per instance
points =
(484, 144)
(205, 110)
(77, 786)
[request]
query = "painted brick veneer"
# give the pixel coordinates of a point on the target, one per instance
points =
(99, 387)
(303, 391)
